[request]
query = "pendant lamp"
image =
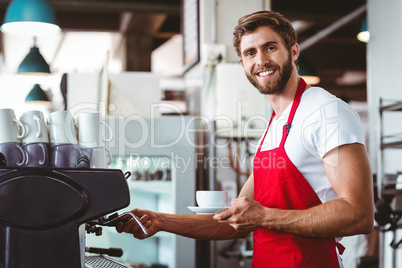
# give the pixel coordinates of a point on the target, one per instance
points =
(30, 17)
(38, 96)
(34, 63)
(307, 70)
(364, 34)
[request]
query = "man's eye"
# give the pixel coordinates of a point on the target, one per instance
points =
(250, 53)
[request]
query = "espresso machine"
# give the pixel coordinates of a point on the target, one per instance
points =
(42, 212)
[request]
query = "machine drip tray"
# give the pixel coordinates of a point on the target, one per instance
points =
(100, 261)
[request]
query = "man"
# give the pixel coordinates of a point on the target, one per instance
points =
(311, 182)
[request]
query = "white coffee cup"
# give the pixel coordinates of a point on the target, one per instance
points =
(101, 158)
(36, 129)
(211, 199)
(62, 128)
(91, 130)
(12, 130)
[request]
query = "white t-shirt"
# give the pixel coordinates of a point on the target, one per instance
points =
(321, 123)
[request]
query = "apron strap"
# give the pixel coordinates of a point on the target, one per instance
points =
(286, 127)
(296, 101)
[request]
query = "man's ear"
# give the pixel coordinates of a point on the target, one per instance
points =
(241, 62)
(295, 51)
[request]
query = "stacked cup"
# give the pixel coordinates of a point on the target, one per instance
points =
(36, 142)
(36, 139)
(65, 151)
(91, 134)
(62, 128)
(12, 131)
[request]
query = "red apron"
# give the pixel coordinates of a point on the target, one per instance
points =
(279, 184)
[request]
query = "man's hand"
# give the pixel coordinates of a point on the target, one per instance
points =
(244, 214)
(147, 218)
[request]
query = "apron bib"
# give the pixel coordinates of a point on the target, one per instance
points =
(279, 184)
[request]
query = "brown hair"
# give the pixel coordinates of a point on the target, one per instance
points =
(277, 22)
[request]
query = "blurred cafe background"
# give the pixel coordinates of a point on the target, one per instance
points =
(166, 79)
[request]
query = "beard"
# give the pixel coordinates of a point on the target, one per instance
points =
(273, 86)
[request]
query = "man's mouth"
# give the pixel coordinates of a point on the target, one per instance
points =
(265, 73)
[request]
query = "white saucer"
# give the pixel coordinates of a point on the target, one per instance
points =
(206, 210)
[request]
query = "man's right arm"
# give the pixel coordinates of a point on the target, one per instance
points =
(201, 227)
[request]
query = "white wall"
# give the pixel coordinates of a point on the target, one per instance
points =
(227, 14)
(129, 93)
(383, 67)
(384, 70)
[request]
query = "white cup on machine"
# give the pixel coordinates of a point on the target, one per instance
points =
(35, 142)
(211, 199)
(91, 134)
(36, 129)
(12, 130)
(62, 128)
(91, 130)
(101, 158)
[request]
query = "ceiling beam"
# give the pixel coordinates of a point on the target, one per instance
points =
(146, 23)
(116, 6)
(333, 27)
(88, 22)
(125, 21)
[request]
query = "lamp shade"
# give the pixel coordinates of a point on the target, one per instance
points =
(364, 34)
(307, 70)
(30, 17)
(34, 64)
(36, 94)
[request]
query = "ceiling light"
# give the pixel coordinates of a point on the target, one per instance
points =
(38, 96)
(34, 63)
(30, 17)
(364, 34)
(307, 70)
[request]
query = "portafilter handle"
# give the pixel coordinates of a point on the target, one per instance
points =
(115, 218)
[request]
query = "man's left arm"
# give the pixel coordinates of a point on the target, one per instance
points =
(348, 170)
(349, 173)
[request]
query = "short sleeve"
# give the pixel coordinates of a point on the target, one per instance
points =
(334, 124)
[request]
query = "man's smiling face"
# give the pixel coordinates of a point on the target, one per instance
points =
(266, 60)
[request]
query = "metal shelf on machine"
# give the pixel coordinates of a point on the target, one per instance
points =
(394, 140)
(394, 144)
(395, 106)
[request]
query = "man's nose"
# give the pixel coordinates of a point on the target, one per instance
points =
(262, 59)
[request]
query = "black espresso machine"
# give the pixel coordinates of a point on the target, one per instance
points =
(42, 209)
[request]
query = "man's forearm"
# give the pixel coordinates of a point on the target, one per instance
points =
(333, 219)
(201, 227)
